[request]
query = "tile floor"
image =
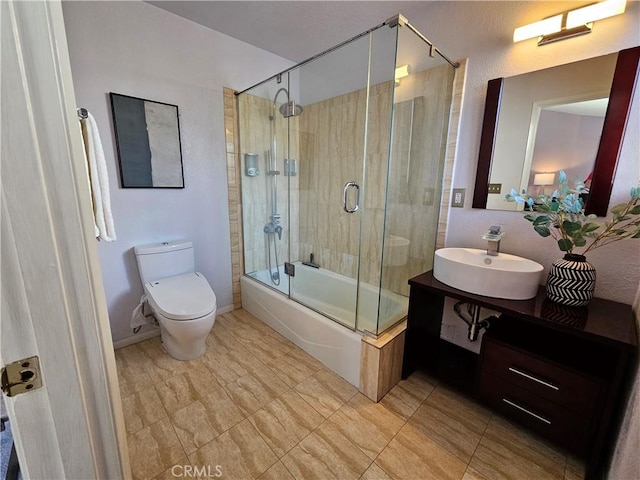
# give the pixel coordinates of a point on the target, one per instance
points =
(256, 406)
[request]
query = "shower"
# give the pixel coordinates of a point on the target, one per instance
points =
(288, 109)
(367, 201)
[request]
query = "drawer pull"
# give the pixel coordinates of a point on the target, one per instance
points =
(526, 375)
(527, 411)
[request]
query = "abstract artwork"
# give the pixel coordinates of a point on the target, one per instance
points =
(148, 142)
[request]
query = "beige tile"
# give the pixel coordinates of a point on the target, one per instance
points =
(269, 347)
(507, 451)
(474, 416)
(411, 455)
(326, 454)
(154, 449)
(471, 474)
(367, 424)
(370, 371)
(193, 427)
(142, 409)
(227, 367)
(277, 472)
(240, 453)
(182, 469)
(454, 422)
(405, 398)
(255, 390)
(221, 340)
(160, 365)
(326, 392)
(243, 331)
(222, 412)
(132, 372)
(176, 392)
(285, 421)
(200, 381)
(374, 472)
(295, 366)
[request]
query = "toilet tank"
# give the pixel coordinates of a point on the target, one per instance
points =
(164, 259)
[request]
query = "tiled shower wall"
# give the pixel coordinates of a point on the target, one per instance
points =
(332, 146)
(255, 137)
(234, 188)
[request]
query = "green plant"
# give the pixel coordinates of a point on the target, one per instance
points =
(561, 216)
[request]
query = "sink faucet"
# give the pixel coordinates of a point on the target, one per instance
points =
(493, 237)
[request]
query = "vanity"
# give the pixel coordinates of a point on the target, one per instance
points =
(560, 371)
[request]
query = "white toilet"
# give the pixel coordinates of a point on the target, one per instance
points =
(181, 300)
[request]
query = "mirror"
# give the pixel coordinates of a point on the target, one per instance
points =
(518, 131)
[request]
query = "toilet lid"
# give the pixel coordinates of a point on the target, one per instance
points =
(182, 297)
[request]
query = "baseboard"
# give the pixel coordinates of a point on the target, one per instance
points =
(136, 338)
(227, 309)
(141, 337)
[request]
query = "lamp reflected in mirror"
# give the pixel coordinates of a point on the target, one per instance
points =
(543, 180)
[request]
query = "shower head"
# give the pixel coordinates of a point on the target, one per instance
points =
(290, 109)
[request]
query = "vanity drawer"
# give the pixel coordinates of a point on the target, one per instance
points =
(566, 388)
(556, 423)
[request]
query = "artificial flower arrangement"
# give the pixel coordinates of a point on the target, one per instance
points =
(561, 216)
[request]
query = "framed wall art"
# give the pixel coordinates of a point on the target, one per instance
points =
(148, 142)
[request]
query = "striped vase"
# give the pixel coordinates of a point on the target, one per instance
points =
(571, 281)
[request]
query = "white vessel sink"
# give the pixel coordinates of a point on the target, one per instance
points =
(473, 271)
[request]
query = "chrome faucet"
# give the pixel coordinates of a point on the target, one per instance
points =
(493, 237)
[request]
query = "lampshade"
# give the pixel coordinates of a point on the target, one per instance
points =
(402, 71)
(544, 178)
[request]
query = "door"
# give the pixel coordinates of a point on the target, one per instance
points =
(53, 303)
(329, 140)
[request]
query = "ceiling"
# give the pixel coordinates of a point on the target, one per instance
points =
(270, 25)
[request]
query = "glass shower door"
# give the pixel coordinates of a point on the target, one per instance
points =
(331, 140)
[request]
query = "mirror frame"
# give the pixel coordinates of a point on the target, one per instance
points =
(622, 88)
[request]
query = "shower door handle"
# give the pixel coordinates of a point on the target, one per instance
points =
(345, 191)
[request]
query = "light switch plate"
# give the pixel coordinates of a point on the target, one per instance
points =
(495, 188)
(457, 198)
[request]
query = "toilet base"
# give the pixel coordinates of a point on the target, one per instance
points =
(185, 339)
(180, 350)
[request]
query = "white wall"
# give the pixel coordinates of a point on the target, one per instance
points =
(491, 52)
(136, 49)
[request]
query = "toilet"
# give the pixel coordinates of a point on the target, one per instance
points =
(180, 299)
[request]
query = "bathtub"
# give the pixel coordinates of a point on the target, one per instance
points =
(333, 342)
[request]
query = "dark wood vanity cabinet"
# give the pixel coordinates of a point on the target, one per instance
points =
(561, 372)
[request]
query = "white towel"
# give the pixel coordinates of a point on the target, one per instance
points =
(105, 229)
(138, 318)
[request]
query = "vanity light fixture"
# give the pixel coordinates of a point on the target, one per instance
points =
(569, 24)
(401, 72)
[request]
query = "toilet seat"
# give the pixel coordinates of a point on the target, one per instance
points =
(182, 297)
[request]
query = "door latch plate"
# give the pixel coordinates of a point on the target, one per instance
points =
(21, 377)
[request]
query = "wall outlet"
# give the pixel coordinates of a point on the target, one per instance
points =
(427, 199)
(495, 188)
(457, 199)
